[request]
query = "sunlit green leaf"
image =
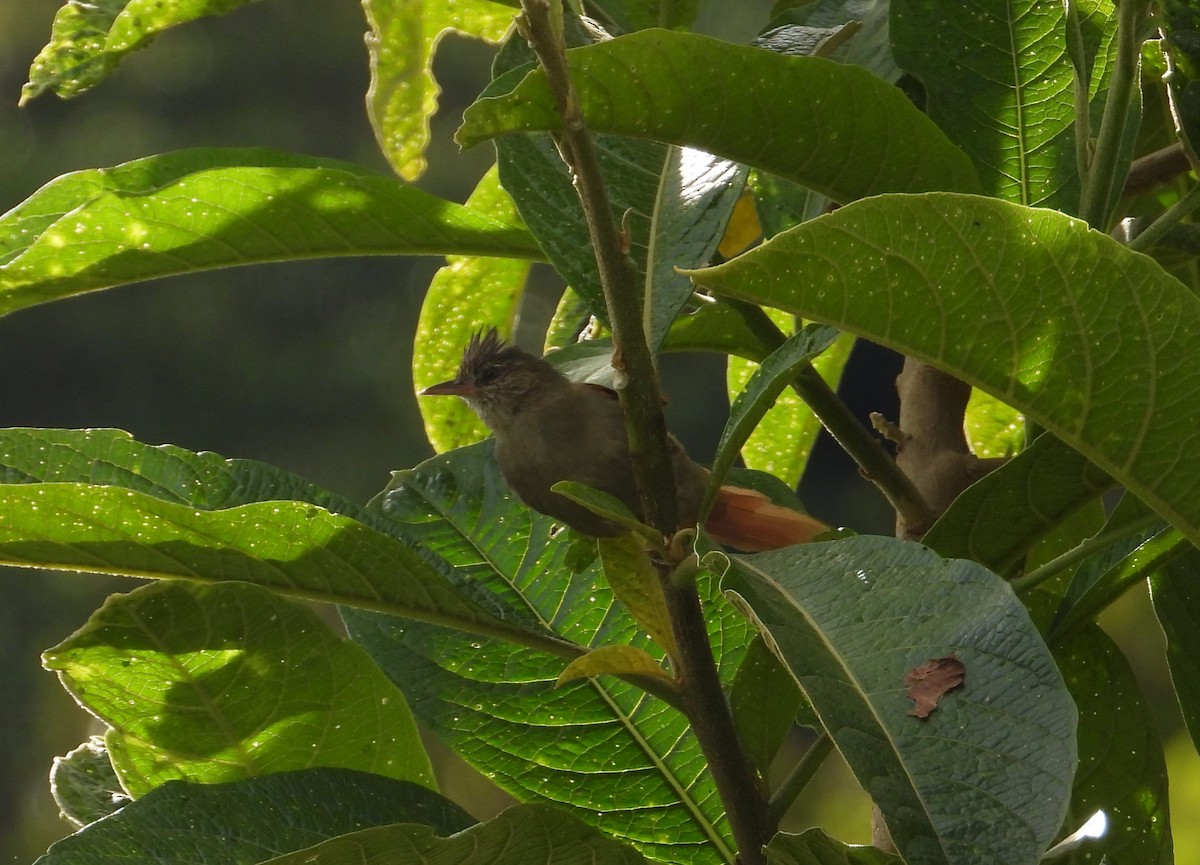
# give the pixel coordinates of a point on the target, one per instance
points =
(834, 128)
(1097, 348)
(404, 94)
(200, 209)
(231, 681)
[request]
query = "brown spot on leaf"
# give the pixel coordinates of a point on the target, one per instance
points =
(925, 684)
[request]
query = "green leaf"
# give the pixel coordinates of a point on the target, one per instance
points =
(89, 40)
(521, 835)
(1121, 767)
(804, 118)
(295, 548)
(998, 519)
(230, 681)
(404, 94)
(999, 82)
(760, 394)
(635, 583)
(247, 822)
(992, 428)
(533, 172)
(765, 701)
(782, 440)
(200, 209)
(696, 195)
(603, 750)
(108, 457)
(1176, 599)
(613, 661)
(850, 618)
(1103, 578)
(84, 784)
(814, 847)
(467, 294)
(673, 14)
(1097, 349)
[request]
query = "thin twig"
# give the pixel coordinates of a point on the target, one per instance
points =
(873, 461)
(799, 777)
(1156, 230)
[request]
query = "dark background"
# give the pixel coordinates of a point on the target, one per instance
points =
(303, 366)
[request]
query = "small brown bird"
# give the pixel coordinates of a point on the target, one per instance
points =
(550, 429)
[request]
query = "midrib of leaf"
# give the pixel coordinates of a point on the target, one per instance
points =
(625, 718)
(1018, 88)
(745, 563)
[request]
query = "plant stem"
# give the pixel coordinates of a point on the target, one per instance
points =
(1077, 554)
(641, 397)
(705, 706)
(799, 777)
(701, 694)
(864, 448)
(1100, 178)
(1159, 227)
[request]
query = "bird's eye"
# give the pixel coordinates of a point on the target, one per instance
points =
(487, 375)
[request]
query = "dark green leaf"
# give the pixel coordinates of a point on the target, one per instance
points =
(1121, 767)
(522, 835)
(765, 701)
(986, 777)
(998, 518)
(85, 785)
(1097, 348)
(837, 129)
(1176, 594)
(230, 681)
(767, 383)
(247, 822)
(108, 457)
(292, 547)
(695, 199)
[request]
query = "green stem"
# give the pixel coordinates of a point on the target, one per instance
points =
(799, 777)
(1154, 555)
(1155, 231)
(701, 693)
(1100, 179)
(1083, 120)
(864, 448)
(1074, 556)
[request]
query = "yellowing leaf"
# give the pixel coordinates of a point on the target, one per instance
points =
(613, 660)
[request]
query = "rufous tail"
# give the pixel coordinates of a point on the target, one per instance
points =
(751, 522)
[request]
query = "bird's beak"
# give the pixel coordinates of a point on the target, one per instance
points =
(454, 387)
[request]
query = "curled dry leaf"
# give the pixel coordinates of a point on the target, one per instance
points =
(926, 683)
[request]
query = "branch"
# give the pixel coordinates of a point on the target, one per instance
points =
(700, 687)
(873, 461)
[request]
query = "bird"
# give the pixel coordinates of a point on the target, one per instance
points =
(548, 428)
